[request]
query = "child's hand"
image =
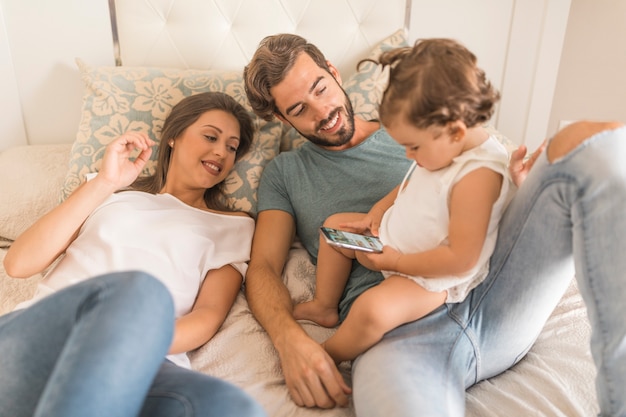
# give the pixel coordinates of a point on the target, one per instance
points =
(386, 260)
(375, 216)
(118, 168)
(361, 226)
(367, 225)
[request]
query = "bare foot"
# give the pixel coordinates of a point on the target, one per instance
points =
(316, 312)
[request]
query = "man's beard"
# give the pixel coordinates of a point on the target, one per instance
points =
(344, 134)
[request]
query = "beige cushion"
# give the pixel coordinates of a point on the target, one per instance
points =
(30, 182)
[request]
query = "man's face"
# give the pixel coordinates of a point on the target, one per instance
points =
(311, 100)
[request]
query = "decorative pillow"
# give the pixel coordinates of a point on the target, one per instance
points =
(119, 99)
(365, 87)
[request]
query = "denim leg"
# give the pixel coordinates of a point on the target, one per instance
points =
(89, 349)
(417, 369)
(530, 270)
(572, 208)
(600, 254)
(180, 392)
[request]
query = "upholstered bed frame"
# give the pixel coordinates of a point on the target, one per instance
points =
(168, 49)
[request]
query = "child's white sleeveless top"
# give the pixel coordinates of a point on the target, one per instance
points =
(157, 234)
(419, 218)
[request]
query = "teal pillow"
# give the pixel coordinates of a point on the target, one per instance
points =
(119, 99)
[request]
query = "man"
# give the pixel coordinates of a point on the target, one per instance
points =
(424, 367)
(322, 177)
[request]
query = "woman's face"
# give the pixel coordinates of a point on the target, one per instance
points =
(205, 153)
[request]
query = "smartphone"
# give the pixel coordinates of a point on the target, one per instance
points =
(350, 240)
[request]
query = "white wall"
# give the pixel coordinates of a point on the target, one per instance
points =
(518, 43)
(41, 39)
(592, 76)
(11, 123)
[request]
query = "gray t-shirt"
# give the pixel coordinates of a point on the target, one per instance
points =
(311, 183)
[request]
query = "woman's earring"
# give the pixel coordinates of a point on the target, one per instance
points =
(171, 143)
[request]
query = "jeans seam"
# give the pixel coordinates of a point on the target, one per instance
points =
(608, 384)
(187, 405)
(556, 178)
(88, 302)
(469, 336)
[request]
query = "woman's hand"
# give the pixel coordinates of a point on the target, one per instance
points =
(118, 168)
(520, 167)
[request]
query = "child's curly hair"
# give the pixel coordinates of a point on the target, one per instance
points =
(436, 82)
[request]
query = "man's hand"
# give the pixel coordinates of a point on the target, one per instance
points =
(520, 167)
(311, 376)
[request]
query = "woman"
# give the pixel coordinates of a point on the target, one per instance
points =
(93, 339)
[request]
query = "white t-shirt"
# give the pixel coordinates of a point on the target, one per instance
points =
(419, 218)
(157, 234)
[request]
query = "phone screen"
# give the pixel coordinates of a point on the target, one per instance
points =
(351, 240)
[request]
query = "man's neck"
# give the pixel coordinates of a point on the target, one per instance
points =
(363, 129)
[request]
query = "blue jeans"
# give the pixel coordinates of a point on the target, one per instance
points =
(97, 348)
(569, 217)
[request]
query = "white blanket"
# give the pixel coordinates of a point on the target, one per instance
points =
(556, 378)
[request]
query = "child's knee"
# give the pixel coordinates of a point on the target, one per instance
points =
(337, 219)
(333, 220)
(573, 135)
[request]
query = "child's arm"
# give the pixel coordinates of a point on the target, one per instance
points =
(471, 201)
(371, 221)
(46, 239)
(378, 209)
(215, 299)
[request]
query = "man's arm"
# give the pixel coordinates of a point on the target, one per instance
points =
(310, 374)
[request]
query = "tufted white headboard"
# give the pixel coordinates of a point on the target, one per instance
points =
(223, 34)
(517, 43)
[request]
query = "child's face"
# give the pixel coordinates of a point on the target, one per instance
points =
(432, 148)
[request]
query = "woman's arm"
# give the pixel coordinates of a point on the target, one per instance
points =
(215, 299)
(49, 237)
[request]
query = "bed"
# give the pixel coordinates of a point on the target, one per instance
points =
(166, 50)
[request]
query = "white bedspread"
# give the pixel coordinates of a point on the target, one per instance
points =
(556, 378)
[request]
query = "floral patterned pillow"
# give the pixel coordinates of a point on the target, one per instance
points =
(365, 87)
(119, 99)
